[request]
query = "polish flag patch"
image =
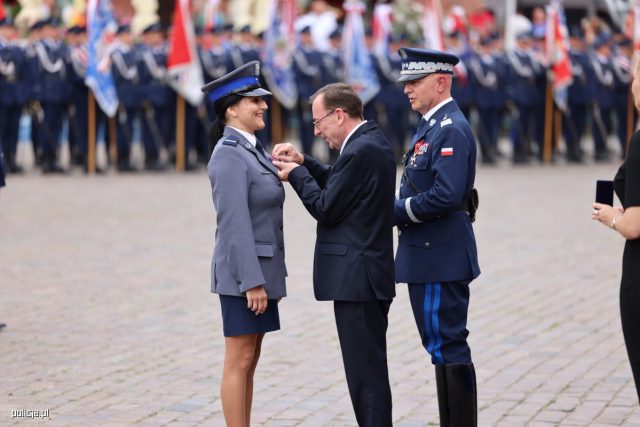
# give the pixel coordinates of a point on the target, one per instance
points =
(446, 151)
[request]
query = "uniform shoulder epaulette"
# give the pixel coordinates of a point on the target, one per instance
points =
(231, 140)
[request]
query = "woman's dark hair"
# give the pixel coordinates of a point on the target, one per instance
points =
(217, 128)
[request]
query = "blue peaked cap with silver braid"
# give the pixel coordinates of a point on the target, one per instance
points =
(243, 81)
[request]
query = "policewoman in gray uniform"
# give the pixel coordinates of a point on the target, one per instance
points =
(248, 270)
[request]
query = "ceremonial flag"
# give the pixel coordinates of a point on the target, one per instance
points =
(558, 53)
(183, 63)
(432, 24)
(2, 12)
(278, 52)
(101, 29)
(382, 28)
(358, 69)
(212, 17)
(636, 26)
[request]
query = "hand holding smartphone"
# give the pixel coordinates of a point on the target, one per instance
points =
(604, 192)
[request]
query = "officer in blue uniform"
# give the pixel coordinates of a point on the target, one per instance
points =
(488, 71)
(391, 100)
(307, 68)
(523, 73)
(12, 76)
(332, 64)
(50, 89)
(462, 89)
(574, 121)
(158, 100)
(246, 49)
(124, 68)
(602, 87)
(622, 76)
(79, 92)
(437, 255)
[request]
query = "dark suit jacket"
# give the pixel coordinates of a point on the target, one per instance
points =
(353, 204)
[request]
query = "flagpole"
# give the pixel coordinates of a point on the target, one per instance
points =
(557, 128)
(91, 137)
(113, 146)
(548, 117)
(180, 134)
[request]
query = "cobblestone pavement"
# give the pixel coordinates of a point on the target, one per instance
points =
(104, 285)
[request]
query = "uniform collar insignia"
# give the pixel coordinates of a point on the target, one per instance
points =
(432, 122)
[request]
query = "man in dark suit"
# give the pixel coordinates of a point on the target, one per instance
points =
(353, 264)
(437, 255)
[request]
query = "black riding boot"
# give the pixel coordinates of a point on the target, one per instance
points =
(457, 395)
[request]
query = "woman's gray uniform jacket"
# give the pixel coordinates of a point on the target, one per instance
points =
(248, 198)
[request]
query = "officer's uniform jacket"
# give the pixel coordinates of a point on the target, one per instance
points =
(436, 241)
(48, 72)
(622, 76)
(12, 74)
(153, 76)
(391, 92)
(602, 80)
(462, 89)
(124, 68)
(243, 53)
(216, 62)
(488, 72)
(248, 198)
(352, 202)
(579, 91)
(333, 68)
(307, 68)
(522, 74)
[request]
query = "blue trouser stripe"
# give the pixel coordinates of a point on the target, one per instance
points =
(437, 349)
(426, 311)
(431, 308)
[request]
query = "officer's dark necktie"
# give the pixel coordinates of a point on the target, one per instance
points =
(422, 127)
(260, 149)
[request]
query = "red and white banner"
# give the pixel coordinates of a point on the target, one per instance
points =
(636, 26)
(211, 14)
(183, 64)
(381, 28)
(432, 25)
(557, 39)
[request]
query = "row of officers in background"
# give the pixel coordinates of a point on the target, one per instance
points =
(44, 76)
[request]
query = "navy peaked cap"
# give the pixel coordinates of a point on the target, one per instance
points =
(54, 21)
(625, 42)
(155, 27)
(6, 22)
(418, 63)
(576, 32)
(601, 40)
(124, 28)
(242, 81)
(77, 29)
(37, 25)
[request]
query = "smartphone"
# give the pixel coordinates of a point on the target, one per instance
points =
(604, 192)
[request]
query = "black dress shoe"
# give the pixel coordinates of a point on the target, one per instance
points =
(155, 166)
(2, 325)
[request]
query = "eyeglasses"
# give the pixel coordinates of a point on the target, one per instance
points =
(316, 122)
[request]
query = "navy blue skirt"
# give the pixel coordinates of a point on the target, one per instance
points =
(237, 319)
